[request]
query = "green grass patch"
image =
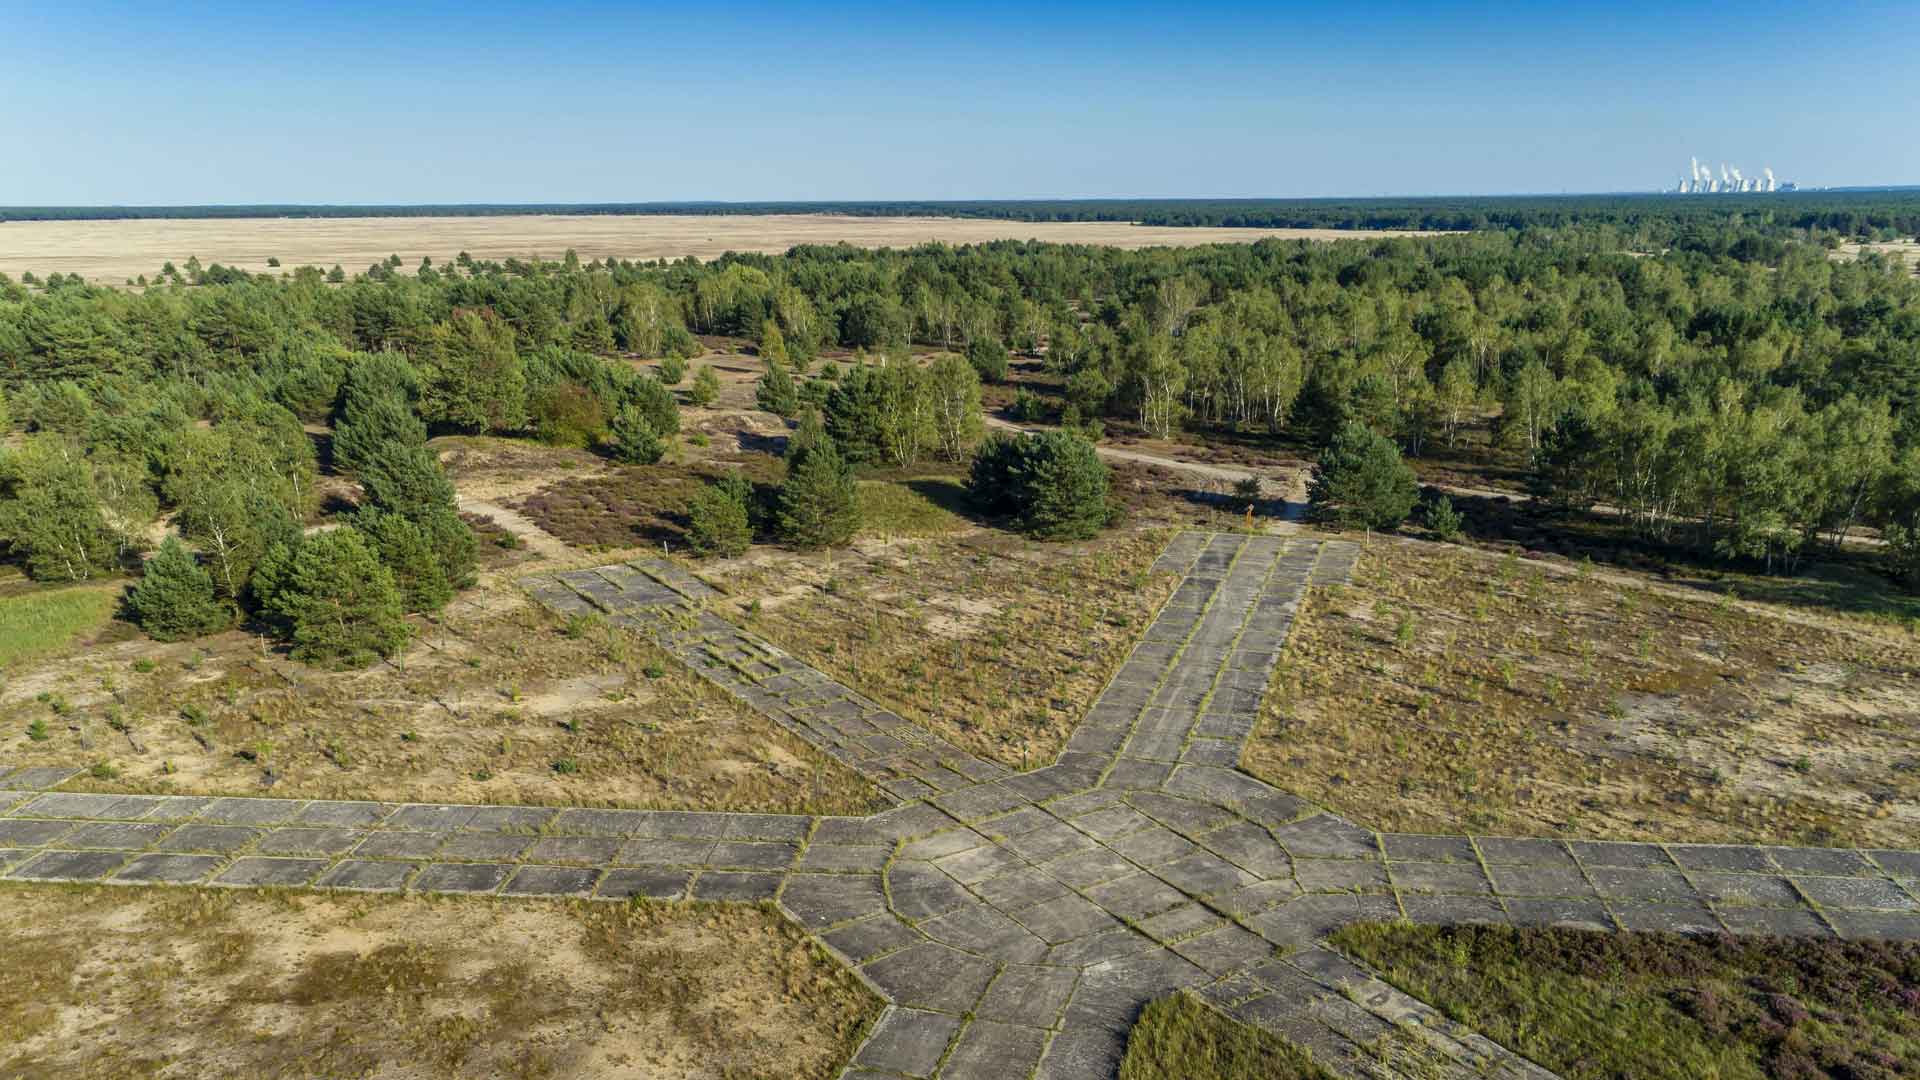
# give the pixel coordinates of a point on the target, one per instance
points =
(910, 508)
(1178, 1038)
(1593, 1005)
(39, 623)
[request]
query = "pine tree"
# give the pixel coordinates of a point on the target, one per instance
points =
(405, 480)
(174, 599)
(706, 387)
(1442, 518)
(776, 393)
(1053, 484)
(406, 550)
(717, 523)
(989, 358)
(340, 604)
(655, 402)
(1360, 481)
(817, 507)
(634, 440)
(371, 424)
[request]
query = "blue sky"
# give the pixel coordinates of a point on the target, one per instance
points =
(487, 102)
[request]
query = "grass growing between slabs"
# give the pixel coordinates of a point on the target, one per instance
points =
(38, 624)
(116, 982)
(1594, 1005)
(1179, 1038)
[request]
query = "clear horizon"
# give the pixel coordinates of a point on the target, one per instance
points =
(221, 105)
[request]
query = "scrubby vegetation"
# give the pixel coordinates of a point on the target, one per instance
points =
(1447, 690)
(1592, 1005)
(277, 984)
(1178, 1036)
(997, 644)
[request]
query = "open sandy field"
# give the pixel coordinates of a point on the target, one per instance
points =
(1907, 250)
(112, 251)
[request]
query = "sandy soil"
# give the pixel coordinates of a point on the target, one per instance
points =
(117, 982)
(1448, 690)
(112, 251)
(1907, 249)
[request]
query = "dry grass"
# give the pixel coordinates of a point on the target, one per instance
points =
(997, 643)
(116, 982)
(496, 702)
(1446, 690)
(112, 251)
(1595, 1005)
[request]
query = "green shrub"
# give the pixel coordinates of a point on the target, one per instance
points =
(817, 507)
(635, 441)
(1053, 484)
(672, 370)
(339, 604)
(706, 386)
(174, 599)
(1028, 408)
(1442, 518)
(567, 414)
(1360, 481)
(717, 523)
(989, 358)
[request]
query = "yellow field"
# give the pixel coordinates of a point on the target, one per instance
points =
(109, 252)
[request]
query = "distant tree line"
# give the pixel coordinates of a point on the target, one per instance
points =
(1752, 402)
(1660, 219)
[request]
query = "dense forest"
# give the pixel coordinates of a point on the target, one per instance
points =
(1658, 219)
(1751, 405)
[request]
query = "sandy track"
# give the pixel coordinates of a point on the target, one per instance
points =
(112, 251)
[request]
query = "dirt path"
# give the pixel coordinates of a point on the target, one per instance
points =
(538, 540)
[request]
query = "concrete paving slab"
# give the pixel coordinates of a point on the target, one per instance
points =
(652, 884)
(169, 869)
(259, 871)
(68, 866)
(552, 881)
(367, 875)
(462, 877)
(908, 1042)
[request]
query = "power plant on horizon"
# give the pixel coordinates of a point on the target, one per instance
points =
(1703, 182)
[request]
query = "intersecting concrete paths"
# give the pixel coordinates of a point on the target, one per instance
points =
(1015, 923)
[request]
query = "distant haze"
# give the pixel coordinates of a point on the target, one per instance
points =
(490, 102)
